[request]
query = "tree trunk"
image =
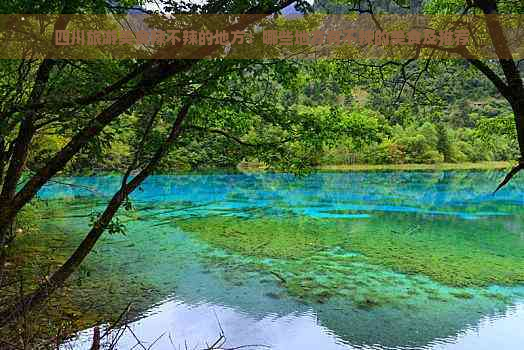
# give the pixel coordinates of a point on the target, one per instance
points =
(158, 71)
(60, 276)
(514, 89)
(19, 156)
(3, 157)
(151, 78)
(518, 111)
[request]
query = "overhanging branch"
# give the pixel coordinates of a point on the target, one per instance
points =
(510, 175)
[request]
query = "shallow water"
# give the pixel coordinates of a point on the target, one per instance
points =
(201, 286)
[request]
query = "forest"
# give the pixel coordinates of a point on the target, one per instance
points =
(462, 118)
(270, 202)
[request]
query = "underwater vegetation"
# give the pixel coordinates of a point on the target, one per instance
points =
(285, 238)
(101, 288)
(367, 262)
(451, 258)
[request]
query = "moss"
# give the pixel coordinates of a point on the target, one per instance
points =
(273, 295)
(461, 294)
(437, 298)
(488, 165)
(322, 296)
(286, 238)
(499, 297)
(451, 260)
(455, 258)
(369, 301)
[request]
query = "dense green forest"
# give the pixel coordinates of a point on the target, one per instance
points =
(462, 118)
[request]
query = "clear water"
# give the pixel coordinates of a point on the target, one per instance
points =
(201, 287)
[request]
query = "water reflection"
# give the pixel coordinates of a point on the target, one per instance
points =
(434, 205)
(175, 324)
(463, 194)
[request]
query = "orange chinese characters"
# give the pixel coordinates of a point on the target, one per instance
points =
(333, 37)
(301, 37)
(172, 36)
(190, 37)
(349, 36)
(270, 37)
(397, 37)
(414, 37)
(462, 37)
(239, 36)
(429, 37)
(381, 38)
(126, 37)
(110, 37)
(221, 38)
(142, 37)
(94, 37)
(366, 37)
(285, 37)
(77, 37)
(446, 38)
(205, 37)
(61, 37)
(158, 37)
(318, 37)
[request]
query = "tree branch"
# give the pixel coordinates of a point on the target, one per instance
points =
(59, 277)
(510, 175)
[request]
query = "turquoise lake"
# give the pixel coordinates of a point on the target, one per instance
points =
(355, 297)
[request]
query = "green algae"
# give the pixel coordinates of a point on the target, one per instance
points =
(35, 255)
(462, 295)
(348, 264)
(454, 258)
(286, 238)
(451, 256)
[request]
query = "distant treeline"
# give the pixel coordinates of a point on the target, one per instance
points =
(460, 118)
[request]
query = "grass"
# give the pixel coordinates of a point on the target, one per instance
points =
(33, 257)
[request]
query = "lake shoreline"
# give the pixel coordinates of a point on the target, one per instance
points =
(488, 165)
(255, 167)
(498, 165)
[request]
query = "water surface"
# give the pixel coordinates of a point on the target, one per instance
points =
(368, 304)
